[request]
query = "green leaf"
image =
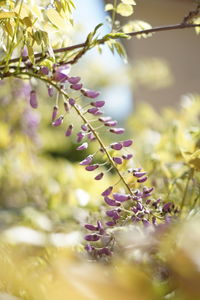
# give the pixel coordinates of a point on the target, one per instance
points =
(124, 10)
(56, 19)
(109, 6)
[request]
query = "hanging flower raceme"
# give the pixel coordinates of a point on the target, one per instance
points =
(132, 205)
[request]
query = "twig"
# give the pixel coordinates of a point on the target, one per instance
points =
(103, 40)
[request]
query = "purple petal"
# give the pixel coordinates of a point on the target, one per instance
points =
(92, 237)
(99, 176)
(143, 179)
(117, 160)
(84, 127)
(111, 202)
(121, 197)
(54, 113)
(111, 223)
(92, 110)
(50, 91)
(58, 121)
(105, 119)
(84, 146)
(74, 80)
(98, 103)
(117, 130)
(33, 99)
(86, 161)
(90, 93)
(116, 146)
(69, 130)
(92, 167)
(72, 101)
(80, 136)
(105, 251)
(113, 214)
(139, 206)
(139, 174)
(91, 227)
(61, 73)
(111, 123)
(44, 70)
(127, 143)
(76, 86)
(91, 137)
(108, 191)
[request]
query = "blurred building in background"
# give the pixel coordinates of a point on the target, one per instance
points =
(177, 49)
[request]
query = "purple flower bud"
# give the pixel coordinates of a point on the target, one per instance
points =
(148, 201)
(134, 209)
(33, 99)
(58, 121)
(139, 206)
(98, 103)
(99, 176)
(108, 191)
(80, 136)
(61, 73)
(111, 223)
(105, 251)
(167, 207)
(105, 119)
(147, 190)
(113, 214)
(143, 179)
(92, 237)
(121, 197)
(86, 161)
(89, 248)
(76, 86)
(116, 146)
(111, 123)
(50, 91)
(91, 227)
(111, 202)
(99, 225)
(90, 93)
(117, 130)
(98, 113)
(74, 80)
(44, 70)
(145, 222)
(139, 174)
(84, 127)
(127, 143)
(117, 160)
(84, 146)
(92, 167)
(92, 110)
(66, 106)
(91, 137)
(127, 157)
(72, 101)
(135, 219)
(69, 130)
(54, 113)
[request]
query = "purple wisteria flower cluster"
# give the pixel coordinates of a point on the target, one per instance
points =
(134, 206)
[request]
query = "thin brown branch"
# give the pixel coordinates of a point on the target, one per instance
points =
(104, 39)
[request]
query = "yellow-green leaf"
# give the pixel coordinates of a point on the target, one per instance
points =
(197, 21)
(56, 19)
(124, 10)
(7, 15)
(108, 7)
(131, 2)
